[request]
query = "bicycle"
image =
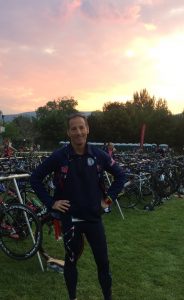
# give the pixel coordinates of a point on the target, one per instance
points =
(20, 231)
(136, 191)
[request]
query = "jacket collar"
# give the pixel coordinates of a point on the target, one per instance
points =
(72, 154)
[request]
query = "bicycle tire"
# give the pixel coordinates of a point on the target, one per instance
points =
(129, 198)
(23, 238)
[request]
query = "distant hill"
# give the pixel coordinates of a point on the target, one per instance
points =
(9, 118)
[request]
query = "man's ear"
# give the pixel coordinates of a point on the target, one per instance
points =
(68, 133)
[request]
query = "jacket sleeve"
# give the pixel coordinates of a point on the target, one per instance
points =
(48, 166)
(119, 178)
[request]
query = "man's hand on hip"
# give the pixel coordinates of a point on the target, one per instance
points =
(61, 205)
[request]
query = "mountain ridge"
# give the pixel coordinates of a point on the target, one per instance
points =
(30, 114)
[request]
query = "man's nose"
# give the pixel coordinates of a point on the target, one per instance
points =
(78, 131)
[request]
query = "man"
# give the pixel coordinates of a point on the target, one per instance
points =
(79, 195)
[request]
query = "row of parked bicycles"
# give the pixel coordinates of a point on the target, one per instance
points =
(151, 181)
(25, 224)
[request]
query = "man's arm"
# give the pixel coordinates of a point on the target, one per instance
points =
(48, 166)
(119, 177)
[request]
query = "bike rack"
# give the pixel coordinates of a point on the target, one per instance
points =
(109, 182)
(13, 177)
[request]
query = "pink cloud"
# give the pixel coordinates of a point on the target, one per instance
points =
(109, 11)
(79, 47)
(74, 4)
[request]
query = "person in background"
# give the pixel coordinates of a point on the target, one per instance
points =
(8, 150)
(111, 150)
(79, 198)
(38, 147)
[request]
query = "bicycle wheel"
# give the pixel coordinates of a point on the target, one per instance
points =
(129, 198)
(21, 232)
(146, 190)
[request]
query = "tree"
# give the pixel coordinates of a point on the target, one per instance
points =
(21, 129)
(63, 104)
(123, 122)
(51, 121)
(112, 106)
(96, 125)
(176, 136)
(11, 132)
(142, 100)
(117, 125)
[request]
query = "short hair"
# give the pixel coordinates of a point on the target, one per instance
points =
(75, 115)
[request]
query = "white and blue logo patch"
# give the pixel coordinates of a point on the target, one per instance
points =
(90, 161)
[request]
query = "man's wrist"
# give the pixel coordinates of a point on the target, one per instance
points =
(108, 200)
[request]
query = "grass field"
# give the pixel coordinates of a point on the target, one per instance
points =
(146, 256)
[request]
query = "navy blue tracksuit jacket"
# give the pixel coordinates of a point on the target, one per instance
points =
(79, 179)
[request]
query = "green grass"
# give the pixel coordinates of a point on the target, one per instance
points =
(146, 257)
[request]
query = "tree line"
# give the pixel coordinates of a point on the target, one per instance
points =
(118, 122)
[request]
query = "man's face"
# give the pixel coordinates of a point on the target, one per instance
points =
(78, 131)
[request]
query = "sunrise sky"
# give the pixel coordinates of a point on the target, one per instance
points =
(94, 50)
